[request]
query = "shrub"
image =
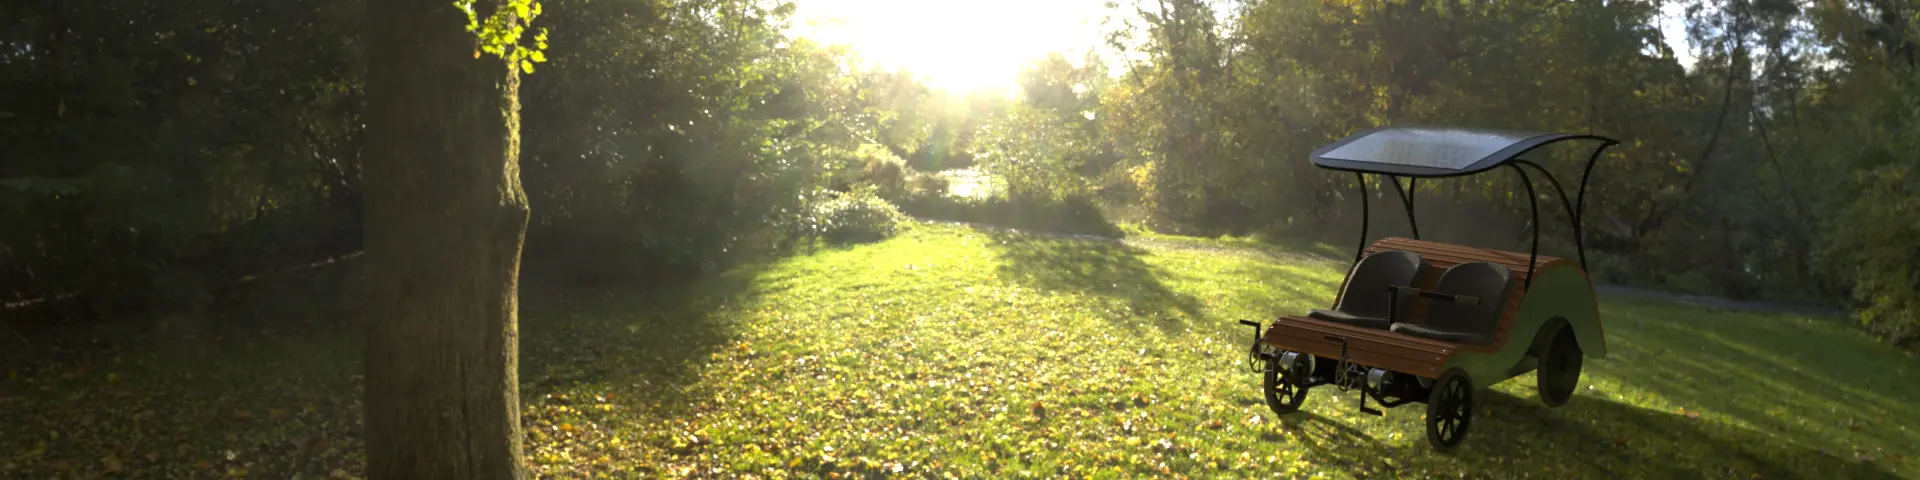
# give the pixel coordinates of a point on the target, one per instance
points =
(887, 176)
(1692, 282)
(927, 185)
(853, 217)
(1072, 215)
(1883, 252)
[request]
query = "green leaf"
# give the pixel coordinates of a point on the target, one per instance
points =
(526, 66)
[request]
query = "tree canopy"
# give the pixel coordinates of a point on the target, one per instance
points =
(161, 152)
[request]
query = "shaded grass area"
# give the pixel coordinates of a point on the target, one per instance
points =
(974, 353)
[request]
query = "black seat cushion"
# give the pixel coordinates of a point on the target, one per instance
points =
(1469, 338)
(1349, 319)
(1364, 300)
(1461, 323)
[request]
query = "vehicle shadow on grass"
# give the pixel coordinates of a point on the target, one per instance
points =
(1588, 438)
(1111, 270)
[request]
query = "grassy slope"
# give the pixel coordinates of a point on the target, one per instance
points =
(954, 351)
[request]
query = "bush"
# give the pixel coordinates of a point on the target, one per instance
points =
(1073, 215)
(1692, 282)
(853, 217)
(1883, 251)
(887, 176)
(927, 185)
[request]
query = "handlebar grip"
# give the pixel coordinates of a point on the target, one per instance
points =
(1250, 323)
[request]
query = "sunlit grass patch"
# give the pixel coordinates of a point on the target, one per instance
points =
(982, 353)
(971, 353)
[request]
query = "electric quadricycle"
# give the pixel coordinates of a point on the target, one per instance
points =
(1420, 321)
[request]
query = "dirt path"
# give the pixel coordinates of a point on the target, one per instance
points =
(1614, 290)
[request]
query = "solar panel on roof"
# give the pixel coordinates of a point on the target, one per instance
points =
(1443, 148)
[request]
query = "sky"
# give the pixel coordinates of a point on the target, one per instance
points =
(971, 45)
(957, 45)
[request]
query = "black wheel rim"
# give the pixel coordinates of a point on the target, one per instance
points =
(1286, 391)
(1283, 388)
(1449, 411)
(1453, 412)
(1560, 372)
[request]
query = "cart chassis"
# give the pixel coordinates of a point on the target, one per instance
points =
(1388, 388)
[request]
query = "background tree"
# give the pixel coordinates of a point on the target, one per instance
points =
(445, 219)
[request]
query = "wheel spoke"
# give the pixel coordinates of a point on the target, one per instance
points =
(1449, 410)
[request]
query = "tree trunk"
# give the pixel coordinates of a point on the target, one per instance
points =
(445, 217)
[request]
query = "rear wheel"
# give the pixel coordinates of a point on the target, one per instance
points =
(1559, 372)
(1285, 385)
(1449, 410)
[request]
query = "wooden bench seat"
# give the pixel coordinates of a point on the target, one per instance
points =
(1366, 346)
(1441, 256)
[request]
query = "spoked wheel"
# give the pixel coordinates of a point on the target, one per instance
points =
(1285, 385)
(1449, 410)
(1559, 372)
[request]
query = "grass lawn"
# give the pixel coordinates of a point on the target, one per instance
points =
(956, 352)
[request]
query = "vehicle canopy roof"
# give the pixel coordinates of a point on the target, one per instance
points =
(1434, 152)
(1429, 151)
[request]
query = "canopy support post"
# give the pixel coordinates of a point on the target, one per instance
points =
(1572, 215)
(1533, 205)
(1406, 198)
(1580, 206)
(1364, 217)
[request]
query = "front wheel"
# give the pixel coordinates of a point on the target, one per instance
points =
(1559, 372)
(1449, 410)
(1285, 385)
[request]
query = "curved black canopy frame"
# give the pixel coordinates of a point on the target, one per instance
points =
(1391, 158)
(1406, 199)
(1533, 207)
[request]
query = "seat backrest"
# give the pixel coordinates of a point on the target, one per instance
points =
(1486, 281)
(1366, 292)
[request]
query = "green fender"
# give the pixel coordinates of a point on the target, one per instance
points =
(1559, 291)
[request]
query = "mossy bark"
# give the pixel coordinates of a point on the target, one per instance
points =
(445, 218)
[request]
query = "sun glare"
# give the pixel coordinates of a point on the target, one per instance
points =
(958, 46)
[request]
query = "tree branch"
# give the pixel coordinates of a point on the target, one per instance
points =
(1656, 216)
